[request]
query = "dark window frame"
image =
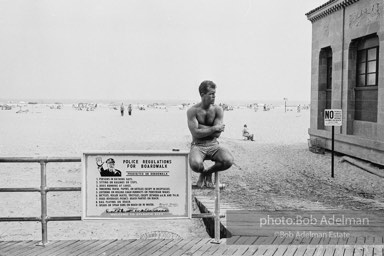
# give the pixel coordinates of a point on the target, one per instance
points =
(358, 86)
(362, 87)
(328, 90)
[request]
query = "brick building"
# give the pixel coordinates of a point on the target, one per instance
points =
(348, 74)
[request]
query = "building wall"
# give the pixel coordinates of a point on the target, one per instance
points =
(357, 138)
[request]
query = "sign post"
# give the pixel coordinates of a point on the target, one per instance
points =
(333, 117)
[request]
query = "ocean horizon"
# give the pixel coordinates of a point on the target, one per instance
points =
(167, 102)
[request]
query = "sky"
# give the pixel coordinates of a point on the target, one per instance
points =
(155, 49)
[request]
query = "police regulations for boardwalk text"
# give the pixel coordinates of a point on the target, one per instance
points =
(126, 185)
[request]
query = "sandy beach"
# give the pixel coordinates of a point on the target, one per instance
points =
(276, 171)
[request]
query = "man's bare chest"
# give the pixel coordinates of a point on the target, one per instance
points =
(206, 117)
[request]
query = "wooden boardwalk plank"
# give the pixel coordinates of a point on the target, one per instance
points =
(35, 247)
(264, 242)
(278, 240)
(291, 250)
(313, 245)
(213, 249)
(20, 248)
(179, 246)
(55, 251)
(127, 248)
(49, 248)
(241, 250)
(117, 246)
(203, 250)
(242, 240)
(186, 247)
(349, 250)
(287, 241)
(113, 246)
(231, 249)
(197, 246)
(252, 240)
(359, 248)
(304, 243)
(7, 245)
(49, 251)
(157, 247)
(331, 248)
(320, 250)
(134, 250)
(166, 247)
(252, 249)
(368, 250)
(85, 249)
(220, 250)
(97, 247)
(233, 239)
(378, 250)
(261, 250)
(77, 248)
(310, 251)
(12, 246)
(271, 250)
(340, 249)
(144, 249)
(267, 247)
(281, 249)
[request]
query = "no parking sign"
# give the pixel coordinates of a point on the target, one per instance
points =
(333, 117)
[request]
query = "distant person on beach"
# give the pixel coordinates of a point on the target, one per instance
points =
(246, 133)
(129, 109)
(122, 109)
(205, 122)
(110, 171)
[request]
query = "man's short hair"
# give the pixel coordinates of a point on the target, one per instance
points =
(110, 160)
(203, 88)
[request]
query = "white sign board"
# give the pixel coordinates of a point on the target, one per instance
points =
(333, 117)
(139, 184)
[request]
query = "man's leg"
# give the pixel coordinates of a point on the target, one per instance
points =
(223, 160)
(196, 159)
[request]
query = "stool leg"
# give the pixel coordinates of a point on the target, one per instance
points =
(217, 208)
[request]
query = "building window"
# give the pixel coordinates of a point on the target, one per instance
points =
(325, 85)
(366, 90)
(328, 90)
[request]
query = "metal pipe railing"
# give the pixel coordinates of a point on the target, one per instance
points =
(43, 191)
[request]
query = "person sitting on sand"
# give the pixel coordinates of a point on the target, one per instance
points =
(205, 122)
(246, 133)
(110, 171)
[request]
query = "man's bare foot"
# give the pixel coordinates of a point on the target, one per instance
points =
(201, 181)
(208, 181)
(210, 184)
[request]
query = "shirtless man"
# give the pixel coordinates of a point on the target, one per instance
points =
(205, 122)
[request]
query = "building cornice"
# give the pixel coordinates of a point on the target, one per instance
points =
(328, 8)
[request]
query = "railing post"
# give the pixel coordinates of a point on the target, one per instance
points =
(43, 191)
(217, 208)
